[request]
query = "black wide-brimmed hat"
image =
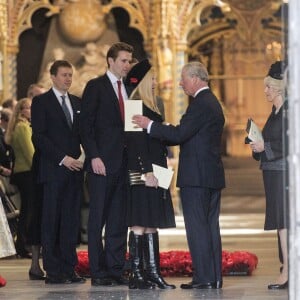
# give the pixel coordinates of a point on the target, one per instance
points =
(276, 70)
(137, 73)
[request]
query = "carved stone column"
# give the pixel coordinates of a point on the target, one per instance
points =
(11, 71)
(3, 40)
(168, 57)
(216, 67)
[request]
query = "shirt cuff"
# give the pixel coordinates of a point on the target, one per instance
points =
(61, 163)
(149, 126)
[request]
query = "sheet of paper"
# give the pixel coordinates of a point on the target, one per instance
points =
(164, 176)
(82, 155)
(254, 133)
(132, 107)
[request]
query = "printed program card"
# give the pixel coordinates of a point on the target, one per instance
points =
(132, 107)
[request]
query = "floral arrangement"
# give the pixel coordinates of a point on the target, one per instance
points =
(179, 263)
(238, 263)
(2, 281)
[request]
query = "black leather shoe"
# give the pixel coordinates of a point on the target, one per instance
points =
(101, 282)
(218, 284)
(278, 286)
(56, 280)
(33, 276)
(196, 285)
(121, 280)
(75, 278)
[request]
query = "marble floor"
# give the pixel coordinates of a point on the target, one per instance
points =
(244, 237)
(241, 222)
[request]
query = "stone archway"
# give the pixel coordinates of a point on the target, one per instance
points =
(238, 43)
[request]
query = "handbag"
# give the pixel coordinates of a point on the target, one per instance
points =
(135, 178)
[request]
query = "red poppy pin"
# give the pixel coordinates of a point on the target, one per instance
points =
(133, 80)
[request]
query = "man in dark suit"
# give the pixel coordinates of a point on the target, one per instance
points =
(200, 173)
(102, 133)
(55, 135)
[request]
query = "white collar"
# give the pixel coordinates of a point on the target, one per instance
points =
(112, 77)
(200, 90)
(58, 93)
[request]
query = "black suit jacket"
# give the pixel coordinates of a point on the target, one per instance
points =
(101, 126)
(199, 136)
(52, 137)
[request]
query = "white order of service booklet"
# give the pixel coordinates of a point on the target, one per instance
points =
(254, 133)
(163, 175)
(131, 108)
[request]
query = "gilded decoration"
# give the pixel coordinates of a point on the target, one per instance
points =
(138, 11)
(238, 43)
(18, 16)
(3, 38)
(90, 21)
(237, 40)
(247, 5)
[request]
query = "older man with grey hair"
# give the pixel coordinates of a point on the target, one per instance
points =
(200, 173)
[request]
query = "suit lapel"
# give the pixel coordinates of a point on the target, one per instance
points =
(75, 109)
(112, 94)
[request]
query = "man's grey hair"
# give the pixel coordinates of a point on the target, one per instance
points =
(196, 68)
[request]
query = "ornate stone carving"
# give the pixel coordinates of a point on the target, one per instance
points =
(177, 30)
(245, 5)
(92, 64)
(82, 21)
(58, 53)
(15, 18)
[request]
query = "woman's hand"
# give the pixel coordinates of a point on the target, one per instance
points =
(258, 146)
(151, 180)
(4, 171)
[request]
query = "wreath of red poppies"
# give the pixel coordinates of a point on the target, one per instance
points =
(179, 263)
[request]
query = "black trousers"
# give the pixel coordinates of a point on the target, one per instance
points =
(29, 226)
(107, 209)
(201, 209)
(60, 224)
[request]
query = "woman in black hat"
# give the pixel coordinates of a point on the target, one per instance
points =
(149, 206)
(272, 158)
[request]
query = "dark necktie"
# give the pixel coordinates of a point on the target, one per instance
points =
(66, 110)
(121, 100)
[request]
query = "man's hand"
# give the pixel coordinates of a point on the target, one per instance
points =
(151, 180)
(140, 121)
(72, 164)
(98, 166)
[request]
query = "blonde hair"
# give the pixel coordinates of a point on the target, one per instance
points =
(276, 84)
(145, 91)
(16, 118)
